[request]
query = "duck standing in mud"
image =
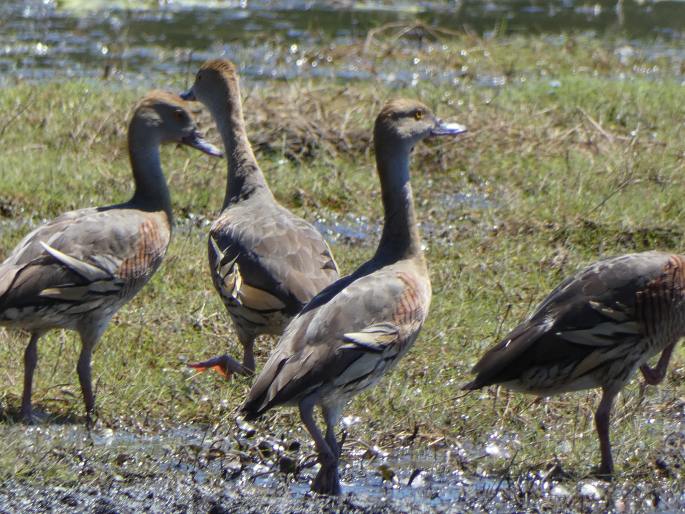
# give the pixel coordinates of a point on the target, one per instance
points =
(358, 328)
(266, 263)
(76, 271)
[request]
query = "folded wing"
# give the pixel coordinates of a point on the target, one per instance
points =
(343, 340)
(590, 320)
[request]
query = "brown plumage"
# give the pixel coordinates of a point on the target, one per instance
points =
(266, 263)
(76, 271)
(358, 328)
(594, 330)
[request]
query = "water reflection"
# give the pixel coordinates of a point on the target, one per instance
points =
(43, 38)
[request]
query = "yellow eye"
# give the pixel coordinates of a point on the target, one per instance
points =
(418, 115)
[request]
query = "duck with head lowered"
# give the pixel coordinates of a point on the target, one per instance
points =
(266, 263)
(76, 271)
(358, 328)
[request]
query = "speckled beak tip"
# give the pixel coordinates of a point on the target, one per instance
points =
(195, 140)
(188, 95)
(448, 129)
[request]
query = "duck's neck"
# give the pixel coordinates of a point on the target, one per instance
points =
(244, 176)
(151, 191)
(400, 238)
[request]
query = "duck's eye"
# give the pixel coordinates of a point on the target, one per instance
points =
(198, 77)
(418, 115)
(179, 115)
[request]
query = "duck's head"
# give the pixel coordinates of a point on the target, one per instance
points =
(403, 122)
(215, 75)
(170, 120)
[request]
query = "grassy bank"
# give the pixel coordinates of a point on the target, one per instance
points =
(579, 155)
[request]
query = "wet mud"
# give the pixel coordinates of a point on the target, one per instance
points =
(211, 469)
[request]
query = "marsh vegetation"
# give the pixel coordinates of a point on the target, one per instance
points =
(575, 152)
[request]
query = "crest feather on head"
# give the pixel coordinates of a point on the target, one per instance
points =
(157, 96)
(220, 65)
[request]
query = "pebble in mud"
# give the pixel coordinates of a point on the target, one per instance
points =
(590, 491)
(560, 491)
(217, 472)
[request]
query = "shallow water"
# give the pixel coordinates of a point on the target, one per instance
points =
(44, 39)
(347, 228)
(194, 467)
(135, 40)
(194, 458)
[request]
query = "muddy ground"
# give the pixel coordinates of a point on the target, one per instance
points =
(222, 469)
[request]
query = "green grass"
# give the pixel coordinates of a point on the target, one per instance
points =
(566, 172)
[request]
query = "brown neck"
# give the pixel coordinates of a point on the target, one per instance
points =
(400, 238)
(244, 176)
(151, 191)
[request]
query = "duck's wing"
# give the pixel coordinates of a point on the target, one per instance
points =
(590, 318)
(266, 259)
(345, 339)
(83, 256)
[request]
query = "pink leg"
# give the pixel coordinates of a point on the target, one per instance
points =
(84, 377)
(30, 362)
(602, 416)
(654, 376)
(326, 481)
(226, 365)
(90, 333)
(331, 416)
(248, 353)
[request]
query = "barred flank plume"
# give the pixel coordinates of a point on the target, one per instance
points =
(595, 328)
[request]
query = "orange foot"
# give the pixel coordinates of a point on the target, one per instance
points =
(224, 365)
